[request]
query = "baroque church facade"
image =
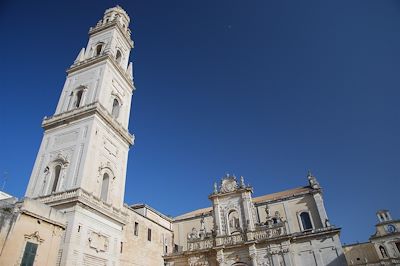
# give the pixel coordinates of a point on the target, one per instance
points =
(74, 213)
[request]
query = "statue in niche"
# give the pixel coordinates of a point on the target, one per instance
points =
(234, 223)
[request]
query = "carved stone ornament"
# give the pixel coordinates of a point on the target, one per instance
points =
(63, 159)
(35, 236)
(228, 184)
(198, 260)
(98, 242)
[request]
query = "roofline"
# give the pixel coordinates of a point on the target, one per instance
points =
(143, 205)
(255, 200)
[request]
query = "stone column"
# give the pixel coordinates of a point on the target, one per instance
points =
(220, 257)
(289, 225)
(275, 259)
(217, 217)
(286, 259)
(248, 215)
(318, 257)
(253, 254)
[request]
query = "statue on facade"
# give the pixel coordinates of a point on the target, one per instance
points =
(202, 232)
(312, 180)
(194, 234)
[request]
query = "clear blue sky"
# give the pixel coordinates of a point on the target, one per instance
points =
(263, 89)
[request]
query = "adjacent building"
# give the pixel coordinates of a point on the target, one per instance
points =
(74, 211)
(383, 247)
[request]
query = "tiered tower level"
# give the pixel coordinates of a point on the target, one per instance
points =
(81, 165)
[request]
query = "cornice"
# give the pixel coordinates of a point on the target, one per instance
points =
(197, 216)
(81, 197)
(237, 191)
(285, 198)
(86, 111)
(316, 232)
(97, 59)
(126, 35)
(149, 219)
(37, 216)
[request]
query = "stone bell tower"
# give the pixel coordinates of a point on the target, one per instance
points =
(81, 165)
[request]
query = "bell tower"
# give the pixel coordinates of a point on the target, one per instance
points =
(81, 165)
(85, 143)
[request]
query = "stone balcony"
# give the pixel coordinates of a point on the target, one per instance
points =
(261, 233)
(84, 111)
(86, 198)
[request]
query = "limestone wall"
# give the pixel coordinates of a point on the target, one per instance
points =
(30, 221)
(138, 249)
(360, 254)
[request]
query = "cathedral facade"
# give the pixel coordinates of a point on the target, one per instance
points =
(74, 211)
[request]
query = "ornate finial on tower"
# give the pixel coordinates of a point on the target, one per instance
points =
(129, 71)
(242, 182)
(117, 12)
(80, 57)
(215, 188)
(312, 180)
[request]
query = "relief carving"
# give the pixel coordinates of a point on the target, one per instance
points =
(198, 260)
(98, 242)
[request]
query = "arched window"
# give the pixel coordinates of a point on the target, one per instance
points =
(118, 57)
(115, 108)
(306, 221)
(56, 178)
(104, 187)
(78, 98)
(99, 47)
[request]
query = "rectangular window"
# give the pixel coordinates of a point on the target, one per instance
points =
(29, 254)
(122, 247)
(166, 249)
(136, 229)
(149, 234)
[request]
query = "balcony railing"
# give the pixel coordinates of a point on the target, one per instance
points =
(200, 244)
(267, 232)
(78, 194)
(261, 233)
(230, 240)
